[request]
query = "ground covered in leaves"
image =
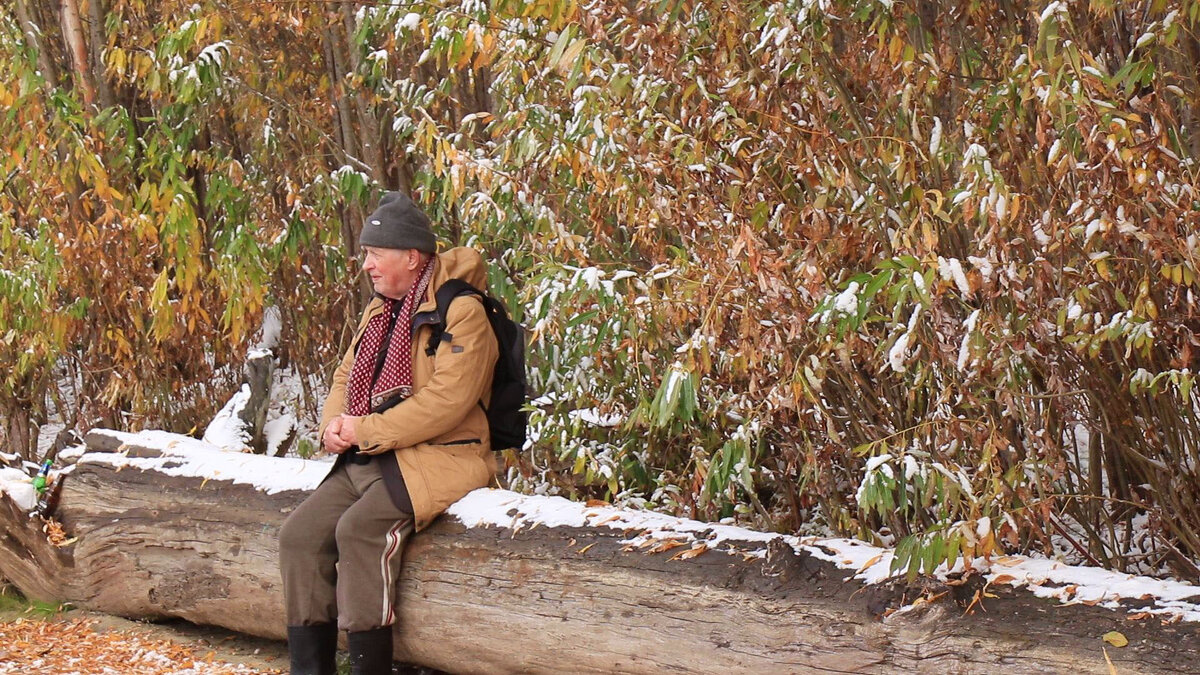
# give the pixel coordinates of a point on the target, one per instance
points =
(84, 646)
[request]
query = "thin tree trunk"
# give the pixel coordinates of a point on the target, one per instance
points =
(337, 74)
(33, 33)
(1191, 105)
(368, 122)
(72, 30)
(96, 42)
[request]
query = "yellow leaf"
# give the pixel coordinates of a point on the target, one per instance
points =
(1115, 639)
(870, 563)
(569, 56)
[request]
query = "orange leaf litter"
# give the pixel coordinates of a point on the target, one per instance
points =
(72, 647)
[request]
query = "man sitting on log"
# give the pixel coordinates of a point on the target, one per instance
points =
(411, 435)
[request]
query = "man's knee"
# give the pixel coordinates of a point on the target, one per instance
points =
(297, 537)
(349, 530)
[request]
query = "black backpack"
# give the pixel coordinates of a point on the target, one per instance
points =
(506, 419)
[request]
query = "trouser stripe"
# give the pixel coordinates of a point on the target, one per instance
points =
(385, 569)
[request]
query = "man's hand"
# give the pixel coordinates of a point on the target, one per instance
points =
(333, 440)
(348, 429)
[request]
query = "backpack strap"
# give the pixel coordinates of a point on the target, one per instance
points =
(446, 294)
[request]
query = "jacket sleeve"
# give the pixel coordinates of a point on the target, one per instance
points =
(335, 401)
(461, 370)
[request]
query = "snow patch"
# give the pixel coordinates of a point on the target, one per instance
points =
(19, 487)
(227, 430)
(186, 456)
(487, 507)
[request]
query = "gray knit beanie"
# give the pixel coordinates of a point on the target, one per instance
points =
(398, 223)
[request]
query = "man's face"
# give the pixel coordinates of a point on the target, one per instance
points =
(392, 270)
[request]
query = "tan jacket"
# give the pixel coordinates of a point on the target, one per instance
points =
(440, 433)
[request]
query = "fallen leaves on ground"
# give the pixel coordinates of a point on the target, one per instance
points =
(70, 647)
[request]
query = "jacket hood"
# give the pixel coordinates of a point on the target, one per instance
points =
(462, 262)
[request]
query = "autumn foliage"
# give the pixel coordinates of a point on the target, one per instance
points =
(922, 272)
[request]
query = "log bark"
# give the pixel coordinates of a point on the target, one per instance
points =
(548, 599)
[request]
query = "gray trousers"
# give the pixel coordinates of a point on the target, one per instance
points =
(340, 552)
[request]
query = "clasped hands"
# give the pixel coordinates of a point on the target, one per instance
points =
(341, 434)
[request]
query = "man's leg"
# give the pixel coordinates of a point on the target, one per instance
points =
(307, 558)
(370, 543)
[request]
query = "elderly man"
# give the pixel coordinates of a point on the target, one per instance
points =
(409, 428)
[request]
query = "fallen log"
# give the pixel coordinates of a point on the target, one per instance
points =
(509, 583)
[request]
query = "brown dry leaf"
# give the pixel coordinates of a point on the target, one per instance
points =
(54, 532)
(592, 503)
(870, 562)
(665, 545)
(615, 516)
(1003, 579)
(1138, 617)
(690, 553)
(63, 646)
(1115, 639)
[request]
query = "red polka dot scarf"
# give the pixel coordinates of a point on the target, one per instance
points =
(366, 391)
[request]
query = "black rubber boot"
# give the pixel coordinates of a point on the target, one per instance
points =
(371, 651)
(312, 649)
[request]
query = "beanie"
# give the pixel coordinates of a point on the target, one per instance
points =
(398, 223)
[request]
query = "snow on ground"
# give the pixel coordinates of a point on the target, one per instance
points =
(290, 411)
(1044, 578)
(227, 430)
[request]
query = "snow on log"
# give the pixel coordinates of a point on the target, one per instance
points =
(167, 526)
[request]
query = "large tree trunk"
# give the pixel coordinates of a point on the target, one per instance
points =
(489, 599)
